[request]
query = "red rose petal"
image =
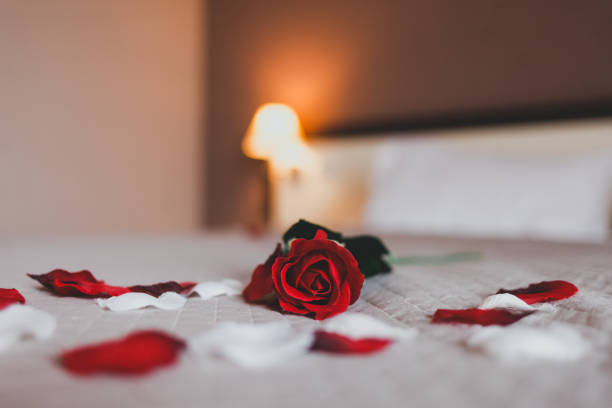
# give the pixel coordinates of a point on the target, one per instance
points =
(320, 234)
(310, 265)
(84, 284)
(10, 296)
(339, 305)
(284, 287)
(291, 308)
(355, 280)
(158, 289)
(337, 343)
(137, 353)
(544, 291)
(484, 317)
(261, 284)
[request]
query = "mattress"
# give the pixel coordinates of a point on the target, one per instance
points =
(434, 369)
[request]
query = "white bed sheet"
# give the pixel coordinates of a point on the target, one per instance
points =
(435, 369)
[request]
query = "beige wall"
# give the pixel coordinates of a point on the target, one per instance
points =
(101, 116)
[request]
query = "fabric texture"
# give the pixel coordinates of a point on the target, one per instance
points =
(436, 368)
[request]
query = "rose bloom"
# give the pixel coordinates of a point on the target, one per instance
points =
(317, 277)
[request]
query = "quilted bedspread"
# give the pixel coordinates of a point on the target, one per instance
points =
(434, 369)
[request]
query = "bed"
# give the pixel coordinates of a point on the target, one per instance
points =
(547, 180)
(434, 369)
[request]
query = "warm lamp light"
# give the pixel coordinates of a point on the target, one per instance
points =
(275, 134)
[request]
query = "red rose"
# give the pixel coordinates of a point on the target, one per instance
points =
(316, 277)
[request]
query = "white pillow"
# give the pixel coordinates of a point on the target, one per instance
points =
(436, 187)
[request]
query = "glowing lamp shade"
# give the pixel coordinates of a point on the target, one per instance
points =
(275, 134)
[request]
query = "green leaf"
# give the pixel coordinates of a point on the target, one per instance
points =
(368, 250)
(307, 230)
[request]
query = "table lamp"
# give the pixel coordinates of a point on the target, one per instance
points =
(275, 135)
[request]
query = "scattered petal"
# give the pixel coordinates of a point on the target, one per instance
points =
(173, 299)
(225, 287)
(136, 300)
(545, 307)
(544, 291)
(506, 301)
(10, 296)
(359, 325)
(486, 317)
(519, 344)
(337, 343)
(83, 283)
(18, 322)
(358, 333)
(138, 353)
(158, 289)
(253, 346)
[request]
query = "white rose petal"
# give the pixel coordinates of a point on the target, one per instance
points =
(519, 344)
(137, 300)
(506, 301)
(359, 325)
(18, 322)
(225, 287)
(253, 345)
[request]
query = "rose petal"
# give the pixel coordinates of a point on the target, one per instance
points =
(520, 344)
(339, 305)
(10, 296)
(158, 289)
(291, 308)
(136, 300)
(170, 300)
(337, 276)
(335, 295)
(253, 346)
(225, 287)
(358, 333)
(83, 283)
(320, 234)
(306, 263)
(18, 322)
(544, 291)
(284, 287)
(337, 343)
(315, 281)
(261, 284)
(137, 353)
(359, 325)
(486, 317)
(506, 301)
(355, 280)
